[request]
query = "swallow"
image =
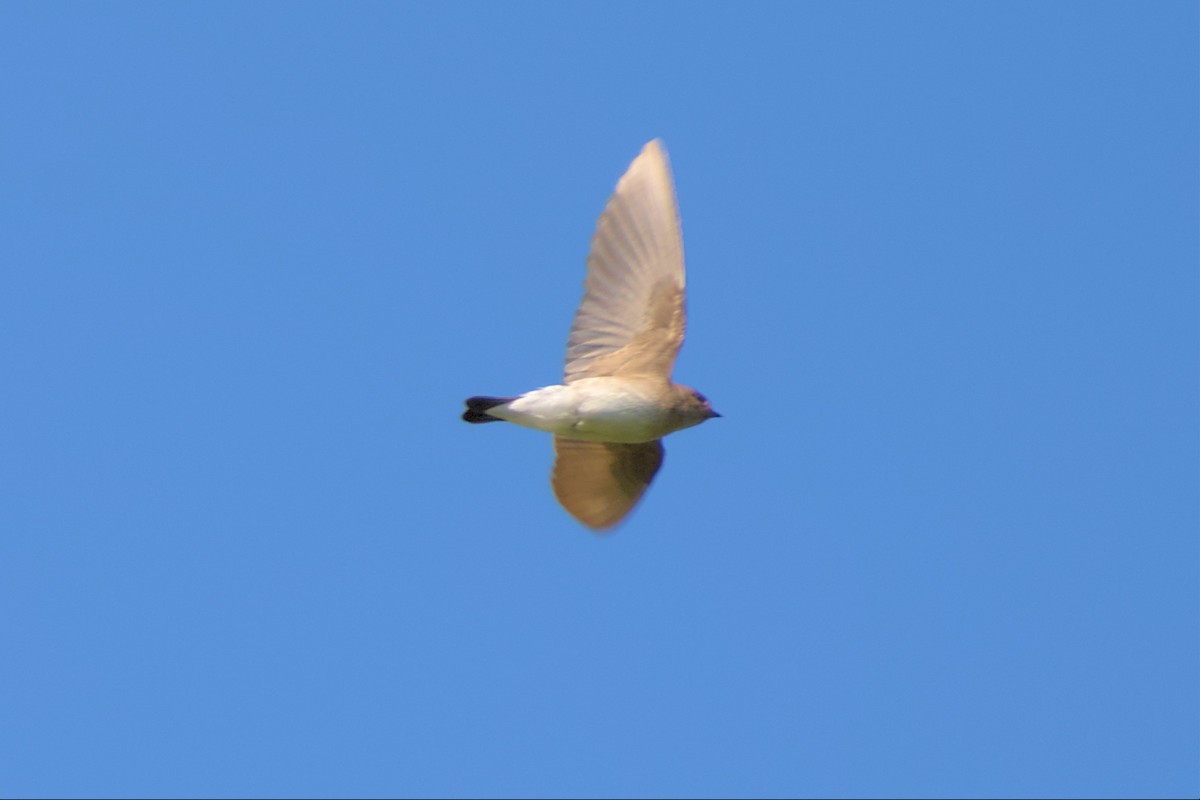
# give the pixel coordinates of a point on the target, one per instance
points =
(617, 400)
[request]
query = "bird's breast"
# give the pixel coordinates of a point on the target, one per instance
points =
(619, 415)
(595, 409)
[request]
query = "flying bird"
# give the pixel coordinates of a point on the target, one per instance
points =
(617, 400)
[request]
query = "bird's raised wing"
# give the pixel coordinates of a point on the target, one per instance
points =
(600, 482)
(631, 319)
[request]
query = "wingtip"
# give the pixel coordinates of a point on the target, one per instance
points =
(657, 148)
(652, 167)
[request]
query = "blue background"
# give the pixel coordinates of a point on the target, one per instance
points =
(943, 287)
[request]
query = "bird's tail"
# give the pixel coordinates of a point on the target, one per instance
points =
(477, 408)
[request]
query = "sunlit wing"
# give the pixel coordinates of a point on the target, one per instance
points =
(631, 320)
(600, 482)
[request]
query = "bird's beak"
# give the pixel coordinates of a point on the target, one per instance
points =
(712, 414)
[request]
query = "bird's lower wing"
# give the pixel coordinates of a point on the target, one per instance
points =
(600, 482)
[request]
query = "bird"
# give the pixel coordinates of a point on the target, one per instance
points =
(617, 400)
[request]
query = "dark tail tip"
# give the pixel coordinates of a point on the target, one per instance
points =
(477, 408)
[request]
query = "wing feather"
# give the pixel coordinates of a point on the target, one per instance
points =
(631, 320)
(599, 483)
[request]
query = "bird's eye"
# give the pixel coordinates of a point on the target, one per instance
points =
(700, 397)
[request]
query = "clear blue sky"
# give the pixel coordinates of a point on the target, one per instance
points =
(942, 263)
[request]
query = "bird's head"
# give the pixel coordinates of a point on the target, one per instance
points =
(692, 407)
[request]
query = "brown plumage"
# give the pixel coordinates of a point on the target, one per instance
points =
(617, 399)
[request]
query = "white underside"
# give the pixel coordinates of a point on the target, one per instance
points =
(595, 409)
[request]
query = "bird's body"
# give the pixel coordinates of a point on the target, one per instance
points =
(617, 399)
(607, 409)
